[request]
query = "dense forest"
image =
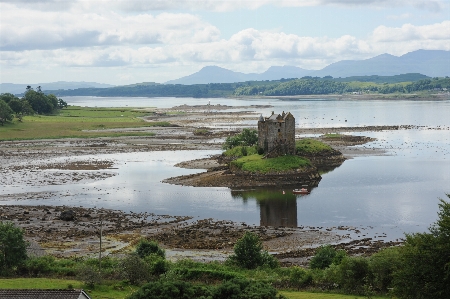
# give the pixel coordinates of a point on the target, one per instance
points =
(406, 83)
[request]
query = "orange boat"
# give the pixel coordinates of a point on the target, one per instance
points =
(300, 191)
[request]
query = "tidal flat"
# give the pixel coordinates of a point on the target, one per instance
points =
(111, 175)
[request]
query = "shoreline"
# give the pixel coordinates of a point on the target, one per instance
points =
(24, 160)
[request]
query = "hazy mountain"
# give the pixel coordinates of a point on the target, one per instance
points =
(278, 72)
(20, 88)
(212, 74)
(215, 74)
(433, 63)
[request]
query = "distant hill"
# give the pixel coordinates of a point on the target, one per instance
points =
(20, 88)
(215, 74)
(412, 77)
(432, 63)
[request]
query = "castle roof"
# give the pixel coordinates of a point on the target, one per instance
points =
(276, 117)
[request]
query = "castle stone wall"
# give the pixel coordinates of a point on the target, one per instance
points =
(276, 134)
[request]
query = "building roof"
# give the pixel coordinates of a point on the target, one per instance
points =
(273, 117)
(43, 294)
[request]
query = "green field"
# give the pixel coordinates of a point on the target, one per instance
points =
(78, 122)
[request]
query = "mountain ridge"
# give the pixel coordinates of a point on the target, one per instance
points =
(432, 63)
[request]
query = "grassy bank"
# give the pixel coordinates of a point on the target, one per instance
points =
(78, 122)
(256, 163)
(309, 147)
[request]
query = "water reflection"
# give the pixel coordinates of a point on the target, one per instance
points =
(276, 208)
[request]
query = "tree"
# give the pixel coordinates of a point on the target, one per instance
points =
(325, 256)
(146, 248)
(13, 247)
(134, 269)
(249, 253)
(247, 137)
(20, 107)
(424, 271)
(382, 265)
(7, 97)
(61, 104)
(6, 113)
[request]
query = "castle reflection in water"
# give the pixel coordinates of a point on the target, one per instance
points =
(275, 208)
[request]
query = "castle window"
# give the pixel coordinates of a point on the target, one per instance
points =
(278, 130)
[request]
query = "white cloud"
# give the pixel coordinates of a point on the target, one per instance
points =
(135, 35)
(27, 30)
(408, 32)
(246, 50)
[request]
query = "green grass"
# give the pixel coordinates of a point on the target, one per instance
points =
(308, 146)
(256, 163)
(75, 122)
(108, 290)
(309, 295)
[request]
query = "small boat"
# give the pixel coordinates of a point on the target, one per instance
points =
(300, 191)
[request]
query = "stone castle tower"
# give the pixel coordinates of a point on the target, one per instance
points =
(276, 134)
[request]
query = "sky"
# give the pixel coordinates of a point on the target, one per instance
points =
(130, 41)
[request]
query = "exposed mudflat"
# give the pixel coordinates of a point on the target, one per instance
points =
(57, 162)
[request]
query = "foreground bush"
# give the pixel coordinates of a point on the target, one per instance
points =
(13, 248)
(231, 289)
(145, 248)
(424, 271)
(325, 256)
(249, 254)
(382, 266)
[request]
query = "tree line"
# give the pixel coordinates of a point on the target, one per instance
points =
(307, 85)
(33, 101)
(323, 86)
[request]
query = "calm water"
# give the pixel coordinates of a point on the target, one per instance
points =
(393, 194)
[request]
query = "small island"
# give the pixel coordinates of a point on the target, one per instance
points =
(268, 157)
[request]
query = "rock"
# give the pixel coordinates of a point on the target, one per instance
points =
(67, 215)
